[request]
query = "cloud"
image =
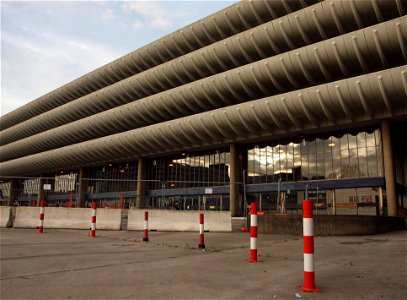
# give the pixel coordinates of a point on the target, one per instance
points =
(137, 25)
(107, 15)
(45, 62)
(160, 23)
(159, 17)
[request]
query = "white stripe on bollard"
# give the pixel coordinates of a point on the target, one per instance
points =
(253, 243)
(308, 227)
(308, 262)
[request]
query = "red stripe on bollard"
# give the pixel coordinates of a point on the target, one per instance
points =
(201, 231)
(42, 215)
(121, 202)
(309, 244)
(93, 228)
(145, 237)
(70, 200)
(253, 232)
(308, 232)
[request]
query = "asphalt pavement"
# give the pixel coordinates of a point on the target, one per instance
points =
(69, 264)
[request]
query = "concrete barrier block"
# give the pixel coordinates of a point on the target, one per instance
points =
(69, 218)
(174, 220)
(27, 217)
(5, 216)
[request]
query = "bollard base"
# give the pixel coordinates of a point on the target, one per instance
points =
(309, 290)
(145, 239)
(253, 261)
(201, 246)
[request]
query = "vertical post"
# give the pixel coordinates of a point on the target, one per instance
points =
(93, 228)
(42, 214)
(83, 186)
(145, 237)
(201, 231)
(389, 169)
(333, 203)
(15, 190)
(234, 187)
(141, 184)
(253, 232)
(308, 232)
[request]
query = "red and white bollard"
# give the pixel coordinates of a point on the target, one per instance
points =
(70, 200)
(308, 230)
(93, 228)
(253, 232)
(145, 237)
(121, 201)
(42, 214)
(201, 231)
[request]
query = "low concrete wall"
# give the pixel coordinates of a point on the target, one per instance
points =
(175, 220)
(5, 216)
(70, 218)
(330, 225)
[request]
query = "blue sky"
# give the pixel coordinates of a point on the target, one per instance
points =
(45, 44)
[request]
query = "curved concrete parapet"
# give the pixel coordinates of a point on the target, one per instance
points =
(278, 36)
(365, 98)
(70, 218)
(175, 220)
(220, 25)
(328, 60)
(5, 216)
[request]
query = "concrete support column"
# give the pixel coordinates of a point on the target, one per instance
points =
(141, 184)
(235, 176)
(15, 190)
(389, 170)
(83, 186)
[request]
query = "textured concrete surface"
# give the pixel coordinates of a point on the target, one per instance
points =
(68, 264)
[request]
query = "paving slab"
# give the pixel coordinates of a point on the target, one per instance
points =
(68, 264)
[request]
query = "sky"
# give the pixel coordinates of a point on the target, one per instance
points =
(46, 44)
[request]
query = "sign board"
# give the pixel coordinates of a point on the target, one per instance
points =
(208, 191)
(47, 187)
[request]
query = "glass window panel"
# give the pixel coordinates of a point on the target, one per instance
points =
(344, 156)
(372, 162)
(352, 170)
(320, 166)
(361, 139)
(379, 160)
(362, 159)
(270, 164)
(352, 141)
(304, 160)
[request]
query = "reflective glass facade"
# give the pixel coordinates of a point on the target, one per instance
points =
(190, 170)
(346, 156)
(112, 178)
